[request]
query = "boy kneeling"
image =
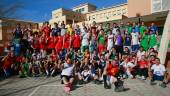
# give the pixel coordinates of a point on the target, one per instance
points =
(111, 75)
(67, 75)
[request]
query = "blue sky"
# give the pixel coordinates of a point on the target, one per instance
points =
(40, 10)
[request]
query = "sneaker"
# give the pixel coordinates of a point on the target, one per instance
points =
(152, 83)
(163, 85)
(67, 89)
(143, 78)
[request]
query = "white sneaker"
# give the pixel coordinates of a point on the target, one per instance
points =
(139, 77)
(143, 78)
(130, 76)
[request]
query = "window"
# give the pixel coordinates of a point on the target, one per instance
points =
(109, 14)
(124, 11)
(82, 9)
(89, 18)
(114, 13)
(118, 12)
(93, 17)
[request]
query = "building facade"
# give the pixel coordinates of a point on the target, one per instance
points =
(88, 13)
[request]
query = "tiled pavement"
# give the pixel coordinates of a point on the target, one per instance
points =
(43, 86)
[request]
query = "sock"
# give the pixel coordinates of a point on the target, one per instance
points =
(52, 72)
(104, 79)
(47, 72)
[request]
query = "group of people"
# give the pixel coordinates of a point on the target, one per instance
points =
(100, 53)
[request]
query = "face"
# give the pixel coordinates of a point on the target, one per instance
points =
(157, 61)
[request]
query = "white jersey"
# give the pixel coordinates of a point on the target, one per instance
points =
(110, 42)
(135, 39)
(158, 69)
(68, 69)
(85, 39)
(127, 65)
(114, 31)
(140, 54)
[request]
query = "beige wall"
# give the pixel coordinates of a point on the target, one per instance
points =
(67, 16)
(108, 14)
(87, 8)
(139, 6)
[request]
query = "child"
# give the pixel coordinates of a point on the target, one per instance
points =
(110, 40)
(76, 42)
(143, 67)
(101, 41)
(128, 68)
(158, 72)
(67, 75)
(110, 75)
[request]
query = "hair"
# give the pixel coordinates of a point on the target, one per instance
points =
(157, 59)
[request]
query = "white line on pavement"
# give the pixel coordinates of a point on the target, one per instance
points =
(33, 92)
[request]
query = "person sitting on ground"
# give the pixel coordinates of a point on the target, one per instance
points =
(127, 67)
(158, 73)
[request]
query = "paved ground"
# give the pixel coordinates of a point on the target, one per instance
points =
(42, 86)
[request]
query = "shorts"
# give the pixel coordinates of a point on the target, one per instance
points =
(159, 78)
(135, 47)
(119, 49)
(84, 48)
(67, 78)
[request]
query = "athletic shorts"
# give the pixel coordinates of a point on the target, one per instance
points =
(67, 78)
(119, 49)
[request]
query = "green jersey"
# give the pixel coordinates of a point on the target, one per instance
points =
(145, 42)
(153, 40)
(101, 39)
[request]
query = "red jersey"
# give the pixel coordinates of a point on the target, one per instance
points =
(53, 57)
(112, 70)
(42, 43)
(7, 62)
(36, 43)
(67, 42)
(76, 41)
(59, 44)
(51, 43)
(47, 30)
(143, 64)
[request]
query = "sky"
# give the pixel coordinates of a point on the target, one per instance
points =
(41, 10)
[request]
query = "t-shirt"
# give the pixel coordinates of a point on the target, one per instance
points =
(63, 31)
(154, 29)
(139, 54)
(137, 29)
(114, 31)
(143, 64)
(127, 41)
(85, 39)
(127, 65)
(135, 39)
(142, 30)
(68, 69)
(119, 40)
(110, 39)
(153, 40)
(101, 39)
(158, 69)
